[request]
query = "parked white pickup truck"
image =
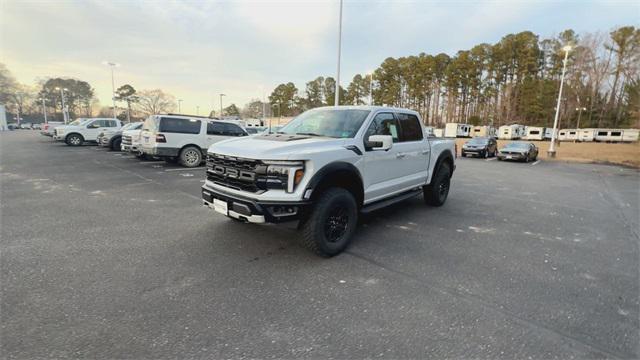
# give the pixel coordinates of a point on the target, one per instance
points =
(85, 131)
(325, 167)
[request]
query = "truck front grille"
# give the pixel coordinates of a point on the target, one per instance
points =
(236, 173)
(126, 140)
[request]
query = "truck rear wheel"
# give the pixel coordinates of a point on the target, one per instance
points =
(329, 227)
(435, 194)
(190, 156)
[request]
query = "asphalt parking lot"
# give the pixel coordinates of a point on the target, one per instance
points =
(105, 256)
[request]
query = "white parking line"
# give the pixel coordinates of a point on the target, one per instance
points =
(535, 163)
(148, 162)
(187, 169)
(490, 159)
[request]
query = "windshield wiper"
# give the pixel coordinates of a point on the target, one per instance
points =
(310, 134)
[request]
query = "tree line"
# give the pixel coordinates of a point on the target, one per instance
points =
(79, 99)
(515, 80)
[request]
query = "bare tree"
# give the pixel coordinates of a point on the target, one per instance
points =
(155, 101)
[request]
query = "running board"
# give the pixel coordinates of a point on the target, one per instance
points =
(386, 202)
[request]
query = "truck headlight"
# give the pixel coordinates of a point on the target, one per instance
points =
(290, 173)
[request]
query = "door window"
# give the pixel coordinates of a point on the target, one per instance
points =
(233, 130)
(384, 124)
(411, 129)
(96, 124)
(215, 128)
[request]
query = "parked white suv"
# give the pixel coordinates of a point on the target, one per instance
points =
(85, 131)
(325, 167)
(183, 138)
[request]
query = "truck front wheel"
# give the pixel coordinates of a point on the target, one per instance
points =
(329, 227)
(436, 193)
(74, 140)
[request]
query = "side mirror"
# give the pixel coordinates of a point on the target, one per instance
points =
(379, 142)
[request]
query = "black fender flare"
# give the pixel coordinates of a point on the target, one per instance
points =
(113, 138)
(338, 168)
(445, 156)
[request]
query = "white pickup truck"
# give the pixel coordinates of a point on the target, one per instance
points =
(87, 130)
(327, 166)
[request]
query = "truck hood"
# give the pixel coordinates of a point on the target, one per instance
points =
(276, 146)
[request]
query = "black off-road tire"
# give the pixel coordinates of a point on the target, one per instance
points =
(115, 144)
(74, 140)
(328, 229)
(190, 157)
(435, 194)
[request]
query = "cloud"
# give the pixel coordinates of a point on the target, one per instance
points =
(198, 49)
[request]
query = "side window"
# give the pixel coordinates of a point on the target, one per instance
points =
(179, 125)
(233, 130)
(111, 123)
(95, 124)
(384, 124)
(411, 129)
(215, 128)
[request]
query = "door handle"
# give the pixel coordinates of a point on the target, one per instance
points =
(400, 155)
(423, 152)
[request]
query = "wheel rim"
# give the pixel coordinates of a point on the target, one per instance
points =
(443, 189)
(336, 224)
(191, 157)
(75, 140)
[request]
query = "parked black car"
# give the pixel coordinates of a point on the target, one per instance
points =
(481, 146)
(522, 151)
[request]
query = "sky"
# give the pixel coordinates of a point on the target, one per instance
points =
(196, 50)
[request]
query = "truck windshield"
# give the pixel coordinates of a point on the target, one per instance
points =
(337, 123)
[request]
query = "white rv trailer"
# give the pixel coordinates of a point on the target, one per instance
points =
(586, 135)
(608, 135)
(568, 135)
(511, 132)
(535, 133)
(457, 130)
(630, 135)
(483, 131)
(548, 132)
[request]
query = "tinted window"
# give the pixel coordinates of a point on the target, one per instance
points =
(214, 128)
(233, 130)
(616, 133)
(602, 133)
(178, 125)
(384, 124)
(96, 124)
(534, 132)
(111, 123)
(411, 129)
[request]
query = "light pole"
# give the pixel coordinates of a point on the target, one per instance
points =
(552, 146)
(337, 98)
(580, 110)
(65, 116)
(370, 89)
(44, 110)
(221, 95)
(279, 114)
(180, 106)
(113, 85)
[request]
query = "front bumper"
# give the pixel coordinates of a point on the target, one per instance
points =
(473, 152)
(59, 137)
(503, 156)
(255, 211)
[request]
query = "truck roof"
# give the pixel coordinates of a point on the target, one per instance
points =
(368, 107)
